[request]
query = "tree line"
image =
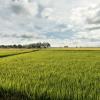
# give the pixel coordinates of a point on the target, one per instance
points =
(28, 46)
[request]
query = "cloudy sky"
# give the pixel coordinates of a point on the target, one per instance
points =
(60, 22)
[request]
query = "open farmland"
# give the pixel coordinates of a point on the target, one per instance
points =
(11, 52)
(52, 74)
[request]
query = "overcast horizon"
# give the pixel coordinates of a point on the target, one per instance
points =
(59, 22)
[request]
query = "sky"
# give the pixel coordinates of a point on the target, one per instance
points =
(59, 22)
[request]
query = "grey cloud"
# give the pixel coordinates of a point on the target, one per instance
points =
(93, 28)
(17, 9)
(62, 26)
(25, 36)
(14, 35)
(96, 17)
(40, 10)
(38, 27)
(30, 36)
(94, 40)
(95, 20)
(21, 36)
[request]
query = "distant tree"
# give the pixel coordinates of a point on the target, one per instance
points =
(2, 46)
(33, 45)
(65, 46)
(19, 46)
(38, 45)
(10, 46)
(14, 46)
(46, 45)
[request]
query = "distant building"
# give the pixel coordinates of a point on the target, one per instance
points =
(65, 46)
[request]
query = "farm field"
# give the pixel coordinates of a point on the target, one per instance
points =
(10, 52)
(50, 74)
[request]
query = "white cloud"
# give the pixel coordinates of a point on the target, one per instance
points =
(86, 21)
(50, 20)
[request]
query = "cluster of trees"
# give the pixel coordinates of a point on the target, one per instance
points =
(33, 45)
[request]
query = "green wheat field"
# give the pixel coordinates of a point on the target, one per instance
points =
(50, 74)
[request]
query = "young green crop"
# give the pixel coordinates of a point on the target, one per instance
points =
(51, 75)
(10, 52)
